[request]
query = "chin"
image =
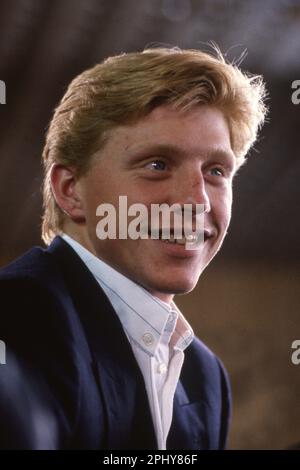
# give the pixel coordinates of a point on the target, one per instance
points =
(176, 288)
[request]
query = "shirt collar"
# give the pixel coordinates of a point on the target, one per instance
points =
(144, 317)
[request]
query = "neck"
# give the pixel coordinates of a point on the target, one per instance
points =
(80, 235)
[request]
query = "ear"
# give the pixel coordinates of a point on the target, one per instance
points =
(66, 191)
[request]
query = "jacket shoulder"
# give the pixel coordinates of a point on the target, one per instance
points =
(39, 326)
(28, 287)
(23, 263)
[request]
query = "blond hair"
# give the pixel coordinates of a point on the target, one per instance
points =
(124, 88)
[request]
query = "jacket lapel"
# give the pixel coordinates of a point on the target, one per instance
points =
(192, 411)
(121, 384)
(188, 424)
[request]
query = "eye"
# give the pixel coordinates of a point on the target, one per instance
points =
(216, 171)
(158, 165)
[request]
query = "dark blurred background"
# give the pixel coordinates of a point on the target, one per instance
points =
(246, 305)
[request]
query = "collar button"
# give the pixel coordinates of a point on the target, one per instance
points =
(148, 339)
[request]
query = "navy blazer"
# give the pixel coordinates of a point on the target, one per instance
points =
(57, 322)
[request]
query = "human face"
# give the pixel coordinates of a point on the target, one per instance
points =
(169, 157)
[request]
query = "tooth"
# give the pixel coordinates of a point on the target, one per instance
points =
(191, 238)
(181, 241)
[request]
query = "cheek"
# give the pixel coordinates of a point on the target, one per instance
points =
(227, 213)
(98, 191)
(223, 210)
(92, 201)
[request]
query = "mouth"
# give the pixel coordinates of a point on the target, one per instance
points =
(169, 237)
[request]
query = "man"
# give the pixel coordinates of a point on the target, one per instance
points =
(94, 318)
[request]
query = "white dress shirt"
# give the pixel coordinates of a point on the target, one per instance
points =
(157, 332)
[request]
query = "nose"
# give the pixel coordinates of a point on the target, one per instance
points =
(192, 189)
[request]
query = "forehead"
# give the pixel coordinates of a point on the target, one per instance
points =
(200, 129)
